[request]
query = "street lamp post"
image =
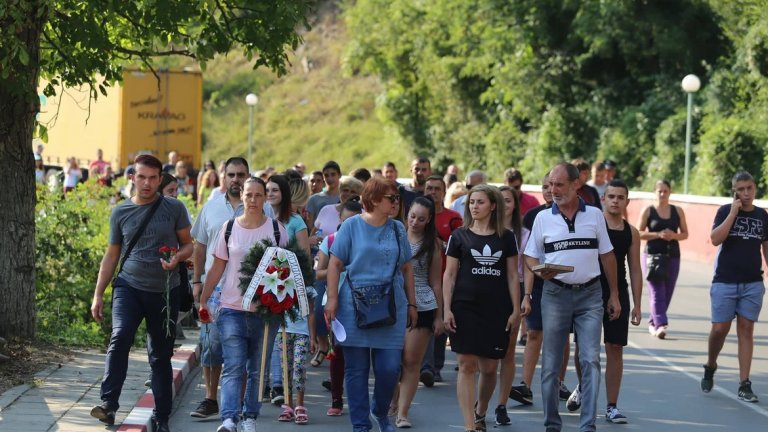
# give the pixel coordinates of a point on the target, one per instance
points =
(251, 100)
(691, 85)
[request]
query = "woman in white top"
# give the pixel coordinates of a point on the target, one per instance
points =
(72, 175)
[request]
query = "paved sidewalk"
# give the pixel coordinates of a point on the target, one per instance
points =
(61, 397)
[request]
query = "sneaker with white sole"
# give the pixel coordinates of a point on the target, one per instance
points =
(248, 425)
(522, 394)
(613, 415)
(574, 401)
(227, 426)
(745, 392)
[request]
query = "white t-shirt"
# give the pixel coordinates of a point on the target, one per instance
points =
(328, 219)
(72, 178)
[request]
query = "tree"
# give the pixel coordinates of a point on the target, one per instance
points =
(88, 42)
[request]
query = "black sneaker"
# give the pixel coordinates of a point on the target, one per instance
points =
(564, 392)
(277, 397)
(427, 377)
(326, 384)
(502, 418)
(205, 409)
(709, 379)
(266, 394)
(521, 394)
(438, 376)
(104, 413)
(160, 426)
(745, 392)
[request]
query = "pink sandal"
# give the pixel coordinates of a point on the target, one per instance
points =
(287, 414)
(301, 415)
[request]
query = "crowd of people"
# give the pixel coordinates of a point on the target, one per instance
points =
(462, 260)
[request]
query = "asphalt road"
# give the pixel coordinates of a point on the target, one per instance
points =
(660, 390)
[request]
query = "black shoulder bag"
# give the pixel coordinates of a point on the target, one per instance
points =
(136, 236)
(375, 304)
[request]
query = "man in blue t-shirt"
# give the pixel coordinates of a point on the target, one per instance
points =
(737, 288)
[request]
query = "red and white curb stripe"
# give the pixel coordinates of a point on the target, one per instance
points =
(140, 417)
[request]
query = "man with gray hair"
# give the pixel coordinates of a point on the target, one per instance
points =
(474, 178)
(571, 234)
(737, 287)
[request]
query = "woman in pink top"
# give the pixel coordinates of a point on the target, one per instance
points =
(241, 330)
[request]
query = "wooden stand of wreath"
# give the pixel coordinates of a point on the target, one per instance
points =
(277, 287)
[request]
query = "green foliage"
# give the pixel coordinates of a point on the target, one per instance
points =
(730, 145)
(493, 84)
(310, 114)
(71, 236)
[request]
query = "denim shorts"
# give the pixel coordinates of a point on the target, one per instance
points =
(731, 299)
(210, 346)
(533, 319)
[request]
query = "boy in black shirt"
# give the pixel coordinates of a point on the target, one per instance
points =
(737, 288)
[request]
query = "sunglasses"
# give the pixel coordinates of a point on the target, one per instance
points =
(393, 198)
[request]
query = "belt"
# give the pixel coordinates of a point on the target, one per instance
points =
(575, 286)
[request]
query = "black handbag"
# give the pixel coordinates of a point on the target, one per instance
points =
(375, 304)
(657, 265)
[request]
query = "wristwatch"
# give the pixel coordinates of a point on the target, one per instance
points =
(529, 295)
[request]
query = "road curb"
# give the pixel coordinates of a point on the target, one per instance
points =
(140, 417)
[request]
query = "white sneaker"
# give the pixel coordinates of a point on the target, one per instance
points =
(227, 426)
(248, 425)
(574, 402)
(661, 332)
(651, 330)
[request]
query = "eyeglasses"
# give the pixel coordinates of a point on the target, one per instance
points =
(238, 175)
(393, 198)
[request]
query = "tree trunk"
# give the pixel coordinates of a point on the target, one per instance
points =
(19, 104)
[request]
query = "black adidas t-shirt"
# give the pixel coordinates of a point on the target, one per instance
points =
(482, 274)
(739, 259)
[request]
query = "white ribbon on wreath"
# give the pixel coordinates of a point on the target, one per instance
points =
(294, 282)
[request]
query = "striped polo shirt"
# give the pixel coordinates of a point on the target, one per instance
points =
(578, 242)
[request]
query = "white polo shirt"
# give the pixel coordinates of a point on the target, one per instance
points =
(579, 242)
(208, 225)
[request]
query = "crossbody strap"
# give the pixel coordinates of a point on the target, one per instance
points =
(276, 232)
(137, 235)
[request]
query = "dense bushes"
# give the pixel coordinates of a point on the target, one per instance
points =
(71, 237)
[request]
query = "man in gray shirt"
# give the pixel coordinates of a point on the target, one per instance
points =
(138, 292)
(332, 175)
(206, 231)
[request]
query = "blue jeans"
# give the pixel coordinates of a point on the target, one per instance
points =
(386, 371)
(129, 307)
(559, 308)
(242, 336)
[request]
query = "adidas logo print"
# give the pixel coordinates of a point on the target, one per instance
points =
(486, 258)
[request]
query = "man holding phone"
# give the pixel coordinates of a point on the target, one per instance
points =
(737, 287)
(571, 234)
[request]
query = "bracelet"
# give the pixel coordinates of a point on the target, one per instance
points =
(412, 305)
(196, 282)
